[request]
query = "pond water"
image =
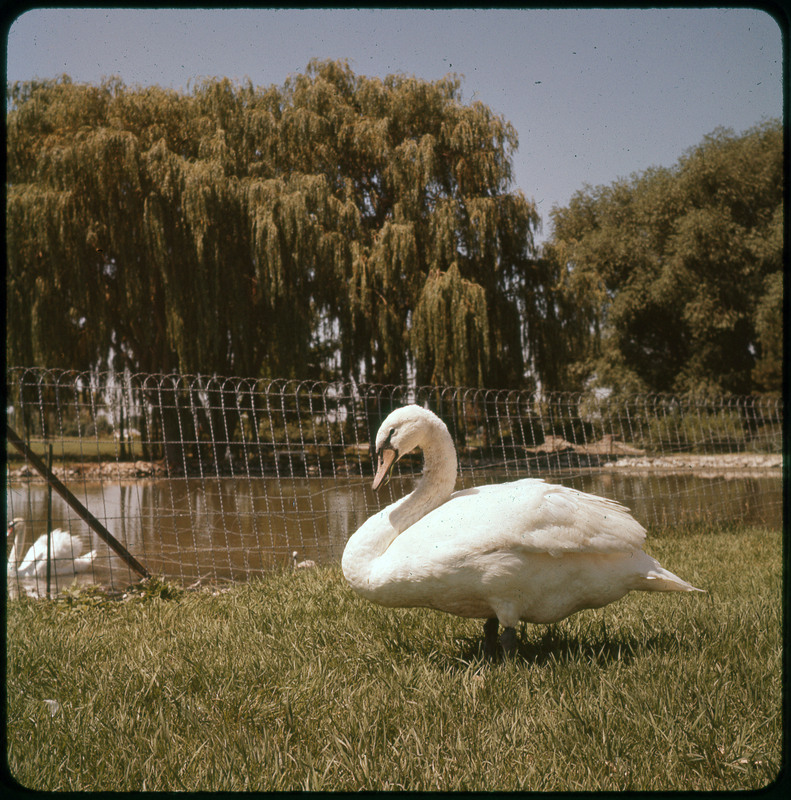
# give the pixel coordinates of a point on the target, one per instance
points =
(228, 529)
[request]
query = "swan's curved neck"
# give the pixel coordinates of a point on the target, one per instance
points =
(433, 488)
(435, 484)
(16, 549)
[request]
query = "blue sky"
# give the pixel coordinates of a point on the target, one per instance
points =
(594, 94)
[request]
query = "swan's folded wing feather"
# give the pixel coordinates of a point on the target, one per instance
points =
(62, 546)
(535, 516)
(570, 521)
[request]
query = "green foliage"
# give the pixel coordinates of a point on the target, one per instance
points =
(80, 596)
(265, 231)
(297, 683)
(767, 374)
(689, 431)
(681, 269)
(154, 587)
(450, 331)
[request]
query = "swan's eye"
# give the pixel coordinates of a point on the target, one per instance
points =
(386, 442)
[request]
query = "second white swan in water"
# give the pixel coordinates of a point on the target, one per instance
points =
(66, 554)
(526, 550)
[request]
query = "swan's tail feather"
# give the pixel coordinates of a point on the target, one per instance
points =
(661, 580)
(83, 562)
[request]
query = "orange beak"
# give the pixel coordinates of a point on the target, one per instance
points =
(386, 461)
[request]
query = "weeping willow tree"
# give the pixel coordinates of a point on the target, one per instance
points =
(335, 226)
(450, 333)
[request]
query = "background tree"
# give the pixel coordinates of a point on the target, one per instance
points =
(294, 231)
(680, 270)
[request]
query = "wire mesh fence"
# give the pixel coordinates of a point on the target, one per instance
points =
(204, 478)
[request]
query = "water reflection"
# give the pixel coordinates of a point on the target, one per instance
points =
(216, 529)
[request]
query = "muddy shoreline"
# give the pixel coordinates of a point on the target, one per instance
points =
(703, 465)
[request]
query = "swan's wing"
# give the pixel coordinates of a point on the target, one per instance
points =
(534, 516)
(37, 551)
(62, 546)
(570, 521)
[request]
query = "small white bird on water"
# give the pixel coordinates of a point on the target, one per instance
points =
(306, 564)
(526, 550)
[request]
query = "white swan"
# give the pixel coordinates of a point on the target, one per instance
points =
(526, 550)
(66, 556)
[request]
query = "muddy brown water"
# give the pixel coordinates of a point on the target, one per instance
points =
(214, 530)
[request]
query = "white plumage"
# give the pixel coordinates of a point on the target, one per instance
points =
(308, 563)
(66, 554)
(526, 550)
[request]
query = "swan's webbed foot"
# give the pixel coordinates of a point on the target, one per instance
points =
(508, 642)
(490, 641)
(490, 628)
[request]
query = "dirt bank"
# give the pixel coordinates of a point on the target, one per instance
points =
(725, 464)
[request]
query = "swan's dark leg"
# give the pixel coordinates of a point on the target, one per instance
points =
(508, 641)
(490, 628)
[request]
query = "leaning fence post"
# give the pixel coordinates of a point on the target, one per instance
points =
(75, 504)
(49, 521)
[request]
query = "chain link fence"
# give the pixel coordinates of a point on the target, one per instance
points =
(206, 479)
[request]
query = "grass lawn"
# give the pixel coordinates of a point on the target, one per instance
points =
(294, 682)
(75, 448)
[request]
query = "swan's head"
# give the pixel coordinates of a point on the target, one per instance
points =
(14, 525)
(403, 430)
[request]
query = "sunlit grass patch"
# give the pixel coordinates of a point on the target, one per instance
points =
(295, 682)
